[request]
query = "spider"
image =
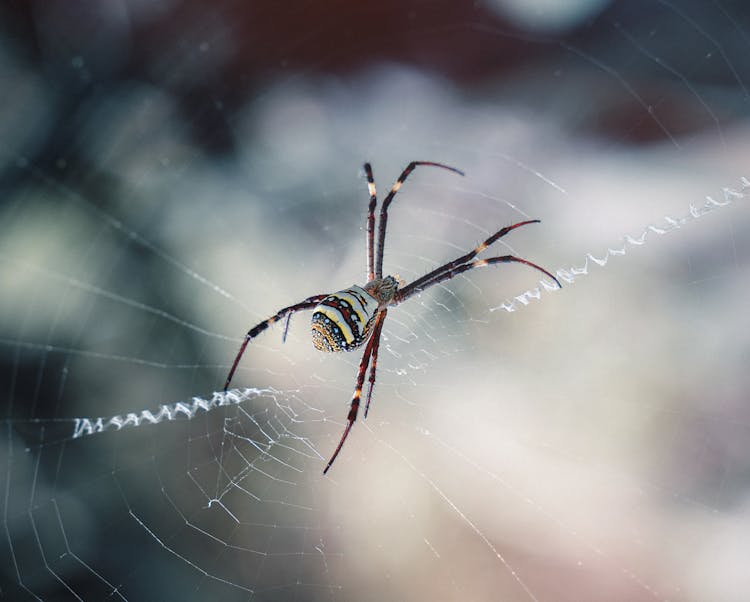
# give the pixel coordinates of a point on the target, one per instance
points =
(353, 317)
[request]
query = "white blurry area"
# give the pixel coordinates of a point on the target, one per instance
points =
(547, 15)
(592, 445)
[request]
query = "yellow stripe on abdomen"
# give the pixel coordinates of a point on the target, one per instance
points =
(342, 321)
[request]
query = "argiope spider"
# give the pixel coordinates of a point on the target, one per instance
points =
(346, 320)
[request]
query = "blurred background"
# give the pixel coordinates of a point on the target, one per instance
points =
(172, 172)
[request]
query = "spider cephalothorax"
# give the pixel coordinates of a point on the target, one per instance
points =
(383, 289)
(354, 317)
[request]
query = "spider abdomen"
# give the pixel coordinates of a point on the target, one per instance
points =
(343, 320)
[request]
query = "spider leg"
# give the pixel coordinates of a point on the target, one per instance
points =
(422, 284)
(354, 406)
(371, 223)
(387, 202)
(479, 248)
(374, 364)
(308, 303)
(286, 326)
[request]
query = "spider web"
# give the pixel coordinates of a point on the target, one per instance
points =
(592, 446)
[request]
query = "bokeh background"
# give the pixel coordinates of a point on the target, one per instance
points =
(172, 172)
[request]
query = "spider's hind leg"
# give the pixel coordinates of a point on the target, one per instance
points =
(354, 407)
(308, 303)
(371, 347)
(374, 364)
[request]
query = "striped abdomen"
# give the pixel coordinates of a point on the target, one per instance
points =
(342, 321)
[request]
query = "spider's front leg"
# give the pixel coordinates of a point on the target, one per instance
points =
(370, 347)
(371, 223)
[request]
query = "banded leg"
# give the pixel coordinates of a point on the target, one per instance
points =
(384, 208)
(469, 256)
(411, 289)
(371, 223)
(374, 363)
(354, 406)
(308, 303)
